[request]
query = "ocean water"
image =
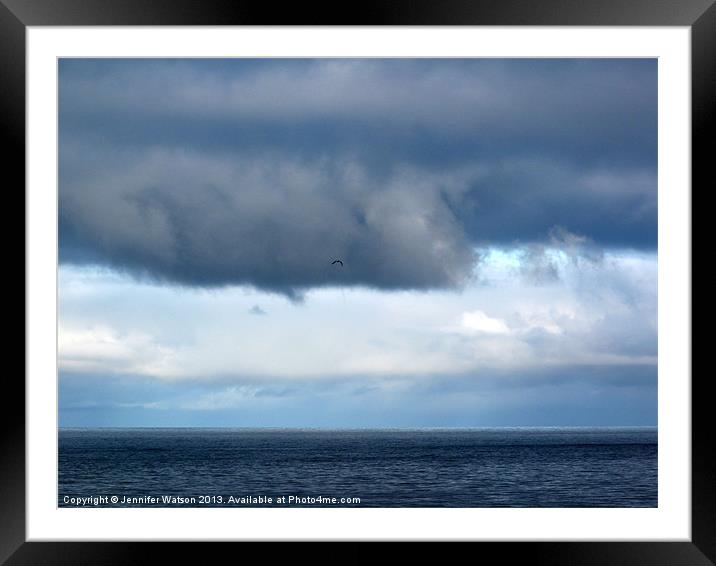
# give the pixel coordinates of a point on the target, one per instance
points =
(500, 467)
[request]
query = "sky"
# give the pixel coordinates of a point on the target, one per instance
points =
(496, 220)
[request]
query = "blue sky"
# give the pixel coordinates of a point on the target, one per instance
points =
(496, 220)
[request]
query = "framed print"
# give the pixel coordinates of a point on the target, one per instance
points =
(423, 275)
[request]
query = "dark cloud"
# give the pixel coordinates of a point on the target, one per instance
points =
(262, 171)
(584, 109)
(275, 222)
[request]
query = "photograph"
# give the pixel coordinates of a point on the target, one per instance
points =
(343, 282)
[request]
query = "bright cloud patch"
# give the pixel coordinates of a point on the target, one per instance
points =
(478, 321)
(604, 315)
(101, 348)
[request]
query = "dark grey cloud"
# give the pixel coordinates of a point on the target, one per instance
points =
(275, 222)
(585, 109)
(261, 172)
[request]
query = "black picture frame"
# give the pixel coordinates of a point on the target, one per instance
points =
(17, 15)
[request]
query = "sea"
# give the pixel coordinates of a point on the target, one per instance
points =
(466, 467)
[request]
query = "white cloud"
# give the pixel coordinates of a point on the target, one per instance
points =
(603, 316)
(102, 348)
(478, 321)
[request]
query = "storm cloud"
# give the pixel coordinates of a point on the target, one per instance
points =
(261, 172)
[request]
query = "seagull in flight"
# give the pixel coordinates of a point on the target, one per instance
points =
(337, 261)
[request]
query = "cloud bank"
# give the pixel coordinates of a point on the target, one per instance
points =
(599, 314)
(261, 172)
(496, 221)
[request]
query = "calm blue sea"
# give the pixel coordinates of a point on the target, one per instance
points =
(501, 467)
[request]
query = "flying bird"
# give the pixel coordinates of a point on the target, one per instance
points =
(337, 261)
